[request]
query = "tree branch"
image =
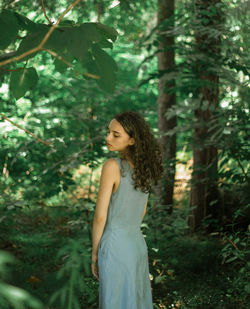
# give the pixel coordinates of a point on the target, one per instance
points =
(54, 54)
(50, 22)
(13, 70)
(27, 131)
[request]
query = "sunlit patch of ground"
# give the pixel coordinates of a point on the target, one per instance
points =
(182, 178)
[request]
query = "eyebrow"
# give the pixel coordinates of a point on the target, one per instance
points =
(114, 131)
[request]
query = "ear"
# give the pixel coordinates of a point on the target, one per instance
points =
(131, 141)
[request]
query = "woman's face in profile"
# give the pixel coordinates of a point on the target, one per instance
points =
(117, 137)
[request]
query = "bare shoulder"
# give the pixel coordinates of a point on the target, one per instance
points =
(110, 165)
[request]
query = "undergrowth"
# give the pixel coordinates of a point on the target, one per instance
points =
(51, 247)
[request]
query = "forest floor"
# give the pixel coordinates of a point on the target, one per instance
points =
(186, 271)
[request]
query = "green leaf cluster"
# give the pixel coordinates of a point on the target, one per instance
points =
(74, 260)
(77, 45)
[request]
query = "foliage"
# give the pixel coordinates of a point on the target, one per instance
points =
(53, 248)
(71, 115)
(228, 129)
(236, 252)
(187, 270)
(52, 245)
(11, 295)
(78, 45)
(73, 256)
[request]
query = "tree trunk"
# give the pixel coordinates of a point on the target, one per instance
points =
(204, 192)
(166, 99)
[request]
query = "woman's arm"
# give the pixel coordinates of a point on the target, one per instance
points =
(110, 172)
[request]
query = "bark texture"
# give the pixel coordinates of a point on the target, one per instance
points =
(166, 99)
(204, 191)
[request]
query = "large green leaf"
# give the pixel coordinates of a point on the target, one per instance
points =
(106, 68)
(60, 65)
(57, 40)
(97, 32)
(79, 39)
(107, 32)
(26, 24)
(105, 44)
(91, 32)
(29, 42)
(102, 57)
(8, 28)
(76, 42)
(22, 81)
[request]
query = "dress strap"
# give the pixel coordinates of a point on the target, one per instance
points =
(118, 160)
(124, 166)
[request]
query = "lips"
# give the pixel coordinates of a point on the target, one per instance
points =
(108, 144)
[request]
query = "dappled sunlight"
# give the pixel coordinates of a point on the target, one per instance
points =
(182, 178)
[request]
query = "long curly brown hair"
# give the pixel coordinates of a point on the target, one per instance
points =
(145, 154)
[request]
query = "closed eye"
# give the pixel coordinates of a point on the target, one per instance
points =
(115, 134)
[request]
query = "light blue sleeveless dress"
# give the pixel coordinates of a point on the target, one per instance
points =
(122, 251)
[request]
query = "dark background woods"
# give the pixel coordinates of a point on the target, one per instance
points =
(183, 66)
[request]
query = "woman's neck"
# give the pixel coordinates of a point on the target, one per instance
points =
(126, 157)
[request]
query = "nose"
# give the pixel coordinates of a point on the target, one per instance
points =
(108, 137)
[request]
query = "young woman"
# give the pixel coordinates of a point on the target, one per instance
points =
(119, 251)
